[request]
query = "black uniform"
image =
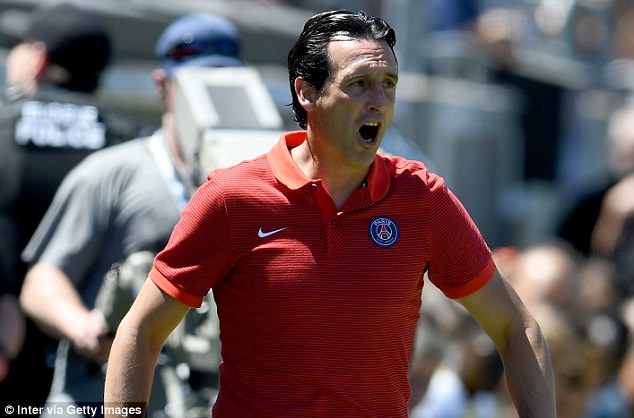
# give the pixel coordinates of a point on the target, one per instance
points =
(41, 139)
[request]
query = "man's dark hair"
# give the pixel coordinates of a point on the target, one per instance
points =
(309, 56)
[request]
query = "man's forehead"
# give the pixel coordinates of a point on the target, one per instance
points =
(351, 48)
(347, 53)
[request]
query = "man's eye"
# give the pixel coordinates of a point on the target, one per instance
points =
(390, 84)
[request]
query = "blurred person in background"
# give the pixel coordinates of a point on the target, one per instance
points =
(467, 380)
(117, 202)
(596, 286)
(613, 233)
(626, 373)
(608, 340)
(578, 224)
(49, 122)
(12, 331)
(453, 15)
(609, 222)
(570, 356)
(601, 311)
(601, 225)
(316, 254)
(555, 279)
(431, 382)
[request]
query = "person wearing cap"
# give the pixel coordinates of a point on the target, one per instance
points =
(116, 203)
(49, 122)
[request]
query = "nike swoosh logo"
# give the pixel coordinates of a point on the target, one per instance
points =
(263, 234)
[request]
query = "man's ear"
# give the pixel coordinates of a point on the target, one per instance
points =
(160, 79)
(40, 59)
(306, 93)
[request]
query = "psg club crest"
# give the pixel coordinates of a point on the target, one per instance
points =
(383, 232)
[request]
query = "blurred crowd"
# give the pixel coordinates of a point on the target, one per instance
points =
(578, 277)
(587, 319)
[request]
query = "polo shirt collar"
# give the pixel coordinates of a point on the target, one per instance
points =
(288, 173)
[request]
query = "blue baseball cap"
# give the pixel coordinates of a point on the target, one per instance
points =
(199, 40)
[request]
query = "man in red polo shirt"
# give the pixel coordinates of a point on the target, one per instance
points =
(316, 251)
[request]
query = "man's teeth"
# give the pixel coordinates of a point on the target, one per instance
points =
(369, 130)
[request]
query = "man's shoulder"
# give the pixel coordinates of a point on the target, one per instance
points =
(125, 160)
(411, 179)
(399, 166)
(257, 163)
(122, 153)
(246, 175)
(127, 154)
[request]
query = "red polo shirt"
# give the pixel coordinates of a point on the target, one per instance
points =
(318, 306)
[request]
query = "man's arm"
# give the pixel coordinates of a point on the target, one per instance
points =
(616, 209)
(51, 299)
(137, 345)
(519, 340)
(12, 331)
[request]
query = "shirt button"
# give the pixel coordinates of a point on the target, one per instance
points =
(313, 186)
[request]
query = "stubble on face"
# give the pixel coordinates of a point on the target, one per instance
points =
(355, 106)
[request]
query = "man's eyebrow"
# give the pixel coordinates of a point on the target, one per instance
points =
(393, 75)
(353, 77)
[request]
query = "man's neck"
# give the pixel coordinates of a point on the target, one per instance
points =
(339, 181)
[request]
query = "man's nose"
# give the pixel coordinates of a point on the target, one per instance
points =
(380, 99)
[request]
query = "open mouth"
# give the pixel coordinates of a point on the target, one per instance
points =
(369, 131)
